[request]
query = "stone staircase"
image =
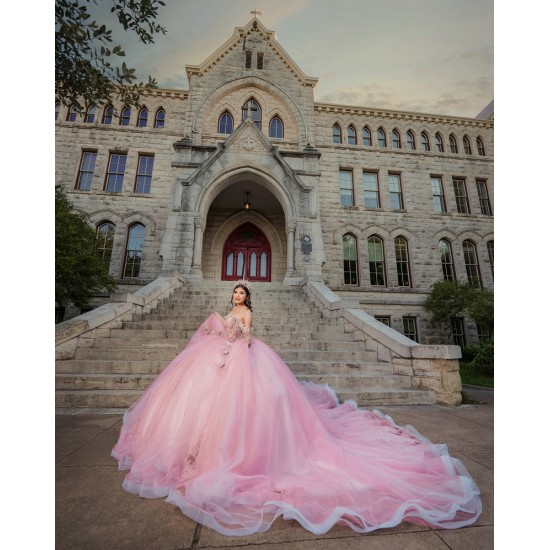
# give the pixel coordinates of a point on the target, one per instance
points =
(122, 362)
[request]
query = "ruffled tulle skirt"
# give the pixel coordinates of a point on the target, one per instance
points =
(235, 446)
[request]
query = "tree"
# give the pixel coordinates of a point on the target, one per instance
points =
(453, 299)
(79, 268)
(83, 69)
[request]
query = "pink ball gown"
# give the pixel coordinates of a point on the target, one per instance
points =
(231, 437)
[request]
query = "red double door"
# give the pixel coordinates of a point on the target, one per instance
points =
(246, 251)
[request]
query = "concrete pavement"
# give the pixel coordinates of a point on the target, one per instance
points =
(94, 512)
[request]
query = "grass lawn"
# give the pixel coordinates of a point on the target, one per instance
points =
(470, 376)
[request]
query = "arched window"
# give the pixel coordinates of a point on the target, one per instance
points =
(108, 114)
(57, 109)
(276, 128)
(125, 116)
(336, 134)
(452, 143)
(367, 138)
(424, 141)
(411, 145)
(439, 143)
(471, 263)
(105, 239)
(395, 139)
(160, 118)
(89, 117)
(134, 251)
(491, 252)
(225, 124)
(381, 138)
(143, 115)
(352, 136)
(402, 258)
(480, 147)
(252, 109)
(447, 260)
(350, 260)
(467, 147)
(377, 264)
(72, 114)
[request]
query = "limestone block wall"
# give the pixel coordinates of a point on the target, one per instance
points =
(126, 207)
(417, 222)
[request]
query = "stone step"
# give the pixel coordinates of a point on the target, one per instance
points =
(179, 343)
(197, 319)
(123, 398)
(335, 367)
(103, 381)
(184, 324)
(359, 380)
(98, 354)
(90, 366)
(128, 381)
(333, 355)
(138, 343)
(328, 335)
(375, 397)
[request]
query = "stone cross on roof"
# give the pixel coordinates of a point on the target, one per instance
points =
(256, 12)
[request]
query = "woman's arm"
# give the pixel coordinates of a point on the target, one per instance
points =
(248, 325)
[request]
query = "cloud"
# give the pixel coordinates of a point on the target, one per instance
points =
(467, 99)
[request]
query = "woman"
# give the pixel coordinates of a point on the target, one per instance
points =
(229, 435)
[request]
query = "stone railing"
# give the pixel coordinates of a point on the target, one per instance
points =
(432, 368)
(81, 331)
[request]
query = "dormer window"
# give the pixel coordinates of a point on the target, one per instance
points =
(248, 59)
(260, 60)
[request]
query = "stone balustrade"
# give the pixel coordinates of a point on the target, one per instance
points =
(431, 367)
(81, 331)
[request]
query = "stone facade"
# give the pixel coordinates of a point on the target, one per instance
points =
(200, 177)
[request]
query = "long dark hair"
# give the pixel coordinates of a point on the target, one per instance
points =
(248, 300)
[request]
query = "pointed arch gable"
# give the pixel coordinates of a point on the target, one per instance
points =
(107, 215)
(338, 234)
(469, 235)
(406, 234)
(143, 218)
(252, 83)
(260, 176)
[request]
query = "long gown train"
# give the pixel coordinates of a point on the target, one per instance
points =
(231, 437)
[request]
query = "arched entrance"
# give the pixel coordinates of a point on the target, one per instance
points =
(246, 250)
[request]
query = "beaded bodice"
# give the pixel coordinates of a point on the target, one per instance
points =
(235, 329)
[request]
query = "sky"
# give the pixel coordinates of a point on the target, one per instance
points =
(431, 56)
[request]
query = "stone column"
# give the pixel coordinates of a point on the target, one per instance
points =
(290, 231)
(290, 274)
(196, 269)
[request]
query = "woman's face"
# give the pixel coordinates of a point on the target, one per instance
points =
(239, 296)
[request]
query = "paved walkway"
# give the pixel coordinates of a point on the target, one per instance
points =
(94, 512)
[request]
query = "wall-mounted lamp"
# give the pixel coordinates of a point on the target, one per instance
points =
(247, 205)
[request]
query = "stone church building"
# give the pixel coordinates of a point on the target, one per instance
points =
(245, 170)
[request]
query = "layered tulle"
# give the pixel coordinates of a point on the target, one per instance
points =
(229, 435)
